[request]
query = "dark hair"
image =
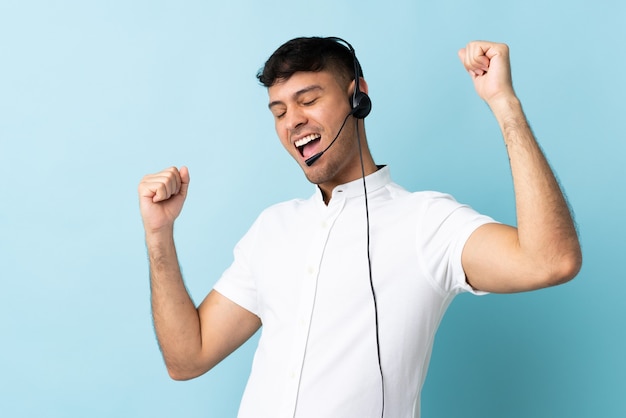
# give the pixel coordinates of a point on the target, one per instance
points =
(309, 54)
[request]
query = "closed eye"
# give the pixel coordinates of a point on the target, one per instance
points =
(278, 112)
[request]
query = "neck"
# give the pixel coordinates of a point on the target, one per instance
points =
(369, 167)
(360, 163)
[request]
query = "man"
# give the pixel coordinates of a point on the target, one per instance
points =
(351, 284)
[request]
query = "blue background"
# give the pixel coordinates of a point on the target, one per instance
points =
(93, 95)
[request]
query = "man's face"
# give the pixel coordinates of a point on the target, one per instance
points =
(309, 109)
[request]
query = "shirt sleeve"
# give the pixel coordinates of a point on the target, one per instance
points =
(237, 282)
(445, 227)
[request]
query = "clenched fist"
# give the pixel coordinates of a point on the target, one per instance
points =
(161, 198)
(489, 66)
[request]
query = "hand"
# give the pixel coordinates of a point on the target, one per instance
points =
(161, 197)
(489, 66)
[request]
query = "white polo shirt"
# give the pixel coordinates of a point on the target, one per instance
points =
(303, 269)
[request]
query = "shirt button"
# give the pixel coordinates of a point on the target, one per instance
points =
(310, 270)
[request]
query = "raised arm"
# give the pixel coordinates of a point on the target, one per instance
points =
(192, 340)
(544, 249)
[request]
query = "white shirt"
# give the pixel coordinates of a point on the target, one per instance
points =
(303, 269)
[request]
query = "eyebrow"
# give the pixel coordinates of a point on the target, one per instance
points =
(297, 94)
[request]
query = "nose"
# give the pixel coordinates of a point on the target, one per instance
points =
(295, 118)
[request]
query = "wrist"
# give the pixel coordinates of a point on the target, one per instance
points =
(507, 110)
(158, 239)
(158, 229)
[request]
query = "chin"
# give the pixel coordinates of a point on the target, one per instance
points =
(312, 174)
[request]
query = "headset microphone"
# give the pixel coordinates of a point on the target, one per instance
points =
(309, 161)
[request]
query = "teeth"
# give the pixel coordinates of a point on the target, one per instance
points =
(303, 141)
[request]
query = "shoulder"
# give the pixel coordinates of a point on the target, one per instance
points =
(287, 207)
(285, 213)
(427, 200)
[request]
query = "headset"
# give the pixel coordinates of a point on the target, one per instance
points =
(361, 107)
(361, 102)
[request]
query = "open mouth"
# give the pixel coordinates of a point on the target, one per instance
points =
(308, 144)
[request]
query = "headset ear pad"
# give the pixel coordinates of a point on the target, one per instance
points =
(361, 105)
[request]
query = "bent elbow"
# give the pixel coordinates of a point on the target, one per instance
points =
(566, 268)
(182, 373)
(178, 376)
(572, 266)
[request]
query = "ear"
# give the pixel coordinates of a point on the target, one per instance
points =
(362, 86)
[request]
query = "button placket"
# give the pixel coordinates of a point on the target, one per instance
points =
(307, 304)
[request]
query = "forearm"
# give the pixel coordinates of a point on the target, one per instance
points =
(175, 316)
(546, 230)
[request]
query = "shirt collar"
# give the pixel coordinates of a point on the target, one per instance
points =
(373, 182)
